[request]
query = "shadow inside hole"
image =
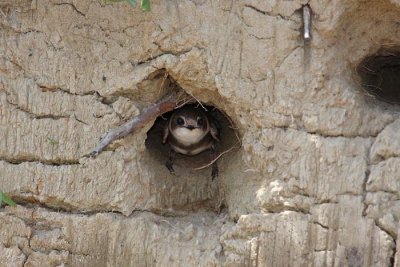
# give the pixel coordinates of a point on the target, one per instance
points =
(228, 140)
(380, 75)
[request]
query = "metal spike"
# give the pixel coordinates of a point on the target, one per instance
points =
(307, 22)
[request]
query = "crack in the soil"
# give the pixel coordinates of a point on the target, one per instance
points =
(94, 213)
(47, 88)
(341, 135)
(267, 13)
(50, 116)
(73, 7)
(383, 228)
(280, 209)
(394, 239)
(321, 225)
(57, 162)
(364, 188)
(163, 53)
(393, 257)
(35, 116)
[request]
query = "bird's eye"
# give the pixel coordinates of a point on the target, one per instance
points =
(200, 121)
(180, 121)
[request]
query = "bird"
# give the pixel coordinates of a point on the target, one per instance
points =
(190, 131)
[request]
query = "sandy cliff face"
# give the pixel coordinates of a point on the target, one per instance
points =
(315, 183)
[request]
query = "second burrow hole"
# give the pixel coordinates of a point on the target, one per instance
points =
(379, 74)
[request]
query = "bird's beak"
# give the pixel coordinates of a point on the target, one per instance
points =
(190, 127)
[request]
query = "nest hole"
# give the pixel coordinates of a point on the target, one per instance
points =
(190, 165)
(380, 75)
(191, 188)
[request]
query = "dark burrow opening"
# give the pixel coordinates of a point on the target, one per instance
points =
(380, 74)
(184, 164)
(191, 189)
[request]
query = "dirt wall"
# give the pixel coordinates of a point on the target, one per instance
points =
(315, 182)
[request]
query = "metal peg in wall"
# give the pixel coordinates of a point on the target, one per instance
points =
(307, 22)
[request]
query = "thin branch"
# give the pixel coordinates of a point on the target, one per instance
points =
(236, 146)
(162, 83)
(198, 101)
(165, 104)
(214, 160)
(184, 102)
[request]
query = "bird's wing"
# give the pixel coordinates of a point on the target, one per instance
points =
(165, 133)
(214, 131)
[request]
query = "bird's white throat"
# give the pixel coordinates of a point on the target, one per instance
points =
(188, 137)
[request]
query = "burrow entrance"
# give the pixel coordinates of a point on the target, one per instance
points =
(192, 187)
(380, 74)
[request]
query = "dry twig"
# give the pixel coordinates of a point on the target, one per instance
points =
(236, 146)
(214, 160)
(168, 102)
(165, 104)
